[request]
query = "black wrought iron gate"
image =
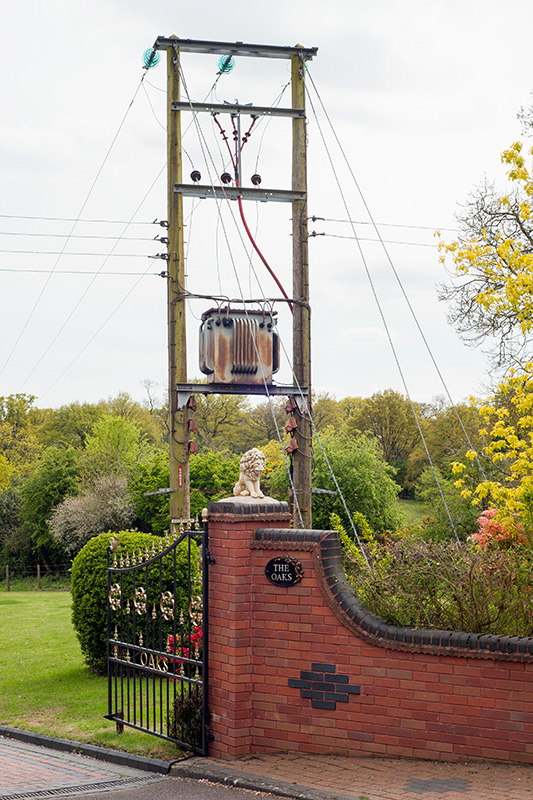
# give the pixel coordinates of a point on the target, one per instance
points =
(157, 638)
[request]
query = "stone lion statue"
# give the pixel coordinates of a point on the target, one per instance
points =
(252, 465)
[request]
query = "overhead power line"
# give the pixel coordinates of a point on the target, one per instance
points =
(72, 272)
(78, 236)
(313, 219)
(89, 342)
(63, 253)
(75, 222)
(76, 219)
(84, 293)
(384, 224)
(373, 287)
(379, 241)
(402, 288)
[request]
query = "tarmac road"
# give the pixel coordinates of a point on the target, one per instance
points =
(176, 789)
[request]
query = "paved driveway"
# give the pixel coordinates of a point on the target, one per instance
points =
(28, 770)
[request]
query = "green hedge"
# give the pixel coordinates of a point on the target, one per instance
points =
(89, 588)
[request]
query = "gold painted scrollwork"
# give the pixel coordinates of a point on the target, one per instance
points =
(195, 610)
(139, 601)
(115, 597)
(167, 605)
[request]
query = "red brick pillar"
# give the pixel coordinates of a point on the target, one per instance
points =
(231, 526)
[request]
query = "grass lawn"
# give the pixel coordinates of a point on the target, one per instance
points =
(411, 511)
(45, 686)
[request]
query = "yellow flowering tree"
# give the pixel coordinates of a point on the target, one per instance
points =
(491, 302)
(491, 295)
(508, 419)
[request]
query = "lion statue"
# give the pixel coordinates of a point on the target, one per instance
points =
(252, 465)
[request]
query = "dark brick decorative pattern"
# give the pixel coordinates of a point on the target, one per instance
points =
(323, 686)
(437, 785)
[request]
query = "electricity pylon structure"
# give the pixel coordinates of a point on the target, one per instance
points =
(179, 390)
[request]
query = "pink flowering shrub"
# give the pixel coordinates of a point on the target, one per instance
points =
(494, 532)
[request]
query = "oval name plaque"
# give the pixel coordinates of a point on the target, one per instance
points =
(284, 571)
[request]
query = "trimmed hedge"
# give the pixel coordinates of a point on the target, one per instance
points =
(89, 588)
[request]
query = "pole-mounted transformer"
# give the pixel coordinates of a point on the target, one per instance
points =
(239, 348)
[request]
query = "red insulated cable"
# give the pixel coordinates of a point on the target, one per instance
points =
(234, 161)
(260, 254)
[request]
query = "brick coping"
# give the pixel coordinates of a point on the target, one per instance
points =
(236, 510)
(327, 554)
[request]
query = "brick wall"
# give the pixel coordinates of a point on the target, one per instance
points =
(307, 668)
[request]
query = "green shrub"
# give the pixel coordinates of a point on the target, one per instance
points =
(89, 588)
(436, 525)
(447, 585)
(212, 476)
(185, 720)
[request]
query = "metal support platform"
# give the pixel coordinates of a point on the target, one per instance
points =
(234, 48)
(238, 108)
(185, 390)
(233, 192)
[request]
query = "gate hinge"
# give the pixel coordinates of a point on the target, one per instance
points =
(209, 558)
(210, 736)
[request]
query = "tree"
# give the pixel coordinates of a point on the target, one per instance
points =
(219, 419)
(264, 422)
(152, 511)
(55, 478)
(493, 260)
(389, 417)
(148, 419)
(104, 507)
(509, 445)
(492, 295)
(327, 411)
(13, 547)
(365, 480)
(436, 525)
(113, 448)
(73, 424)
(448, 432)
(70, 425)
(7, 471)
(19, 445)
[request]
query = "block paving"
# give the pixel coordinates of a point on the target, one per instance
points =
(388, 778)
(27, 769)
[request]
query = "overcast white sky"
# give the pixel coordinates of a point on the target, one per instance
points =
(423, 96)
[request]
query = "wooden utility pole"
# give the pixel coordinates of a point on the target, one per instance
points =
(179, 389)
(177, 332)
(301, 352)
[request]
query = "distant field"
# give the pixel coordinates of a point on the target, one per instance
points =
(411, 510)
(44, 685)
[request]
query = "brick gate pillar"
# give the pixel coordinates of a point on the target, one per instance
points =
(232, 523)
